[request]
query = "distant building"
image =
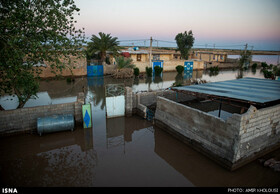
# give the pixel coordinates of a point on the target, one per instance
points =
(170, 59)
(210, 56)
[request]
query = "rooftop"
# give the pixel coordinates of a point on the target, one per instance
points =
(249, 90)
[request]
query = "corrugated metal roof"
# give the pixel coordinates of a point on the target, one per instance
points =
(246, 89)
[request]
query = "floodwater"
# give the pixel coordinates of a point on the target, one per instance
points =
(269, 59)
(59, 91)
(123, 151)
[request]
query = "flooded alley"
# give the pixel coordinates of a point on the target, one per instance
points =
(122, 151)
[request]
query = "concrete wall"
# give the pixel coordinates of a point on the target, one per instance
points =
(25, 119)
(140, 101)
(128, 101)
(80, 65)
(233, 142)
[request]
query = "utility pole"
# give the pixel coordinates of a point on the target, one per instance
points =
(151, 45)
(245, 54)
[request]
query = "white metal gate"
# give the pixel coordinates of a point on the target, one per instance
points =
(115, 100)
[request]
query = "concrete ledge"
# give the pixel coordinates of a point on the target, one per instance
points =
(24, 120)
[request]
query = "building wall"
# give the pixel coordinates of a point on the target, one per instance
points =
(232, 143)
(25, 119)
(210, 57)
(144, 57)
(169, 65)
(80, 65)
(259, 129)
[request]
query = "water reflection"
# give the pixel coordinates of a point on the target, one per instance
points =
(10, 102)
(202, 172)
(239, 74)
(61, 159)
(122, 152)
(96, 91)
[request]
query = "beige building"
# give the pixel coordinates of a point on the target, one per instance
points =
(170, 59)
(209, 57)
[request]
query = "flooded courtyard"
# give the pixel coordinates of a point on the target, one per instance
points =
(122, 151)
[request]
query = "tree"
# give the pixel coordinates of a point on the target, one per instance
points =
(101, 45)
(245, 59)
(33, 31)
(184, 43)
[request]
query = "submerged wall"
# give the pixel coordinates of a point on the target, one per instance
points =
(25, 119)
(233, 142)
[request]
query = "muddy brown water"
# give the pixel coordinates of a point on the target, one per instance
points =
(118, 152)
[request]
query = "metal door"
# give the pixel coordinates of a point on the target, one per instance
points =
(188, 65)
(96, 70)
(115, 100)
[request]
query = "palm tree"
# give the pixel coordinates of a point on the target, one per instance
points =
(103, 44)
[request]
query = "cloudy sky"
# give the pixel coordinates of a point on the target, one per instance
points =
(220, 22)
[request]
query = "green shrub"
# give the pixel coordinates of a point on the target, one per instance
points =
(264, 65)
(149, 71)
(180, 69)
(214, 68)
(254, 66)
(158, 70)
(267, 74)
(123, 62)
(69, 79)
(136, 71)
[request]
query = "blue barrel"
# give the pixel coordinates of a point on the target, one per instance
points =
(55, 123)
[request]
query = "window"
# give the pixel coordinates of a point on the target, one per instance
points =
(176, 56)
(138, 57)
(156, 57)
(221, 57)
(213, 57)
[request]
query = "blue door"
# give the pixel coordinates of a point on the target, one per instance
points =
(188, 65)
(157, 63)
(96, 70)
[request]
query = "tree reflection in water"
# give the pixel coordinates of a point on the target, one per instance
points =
(96, 92)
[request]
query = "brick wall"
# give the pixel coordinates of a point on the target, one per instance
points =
(25, 119)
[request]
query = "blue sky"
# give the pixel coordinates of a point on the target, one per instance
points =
(219, 22)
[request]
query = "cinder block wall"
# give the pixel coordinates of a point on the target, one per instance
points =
(149, 98)
(209, 132)
(259, 130)
(25, 119)
(140, 101)
(232, 143)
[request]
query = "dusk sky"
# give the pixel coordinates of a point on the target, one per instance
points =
(221, 22)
